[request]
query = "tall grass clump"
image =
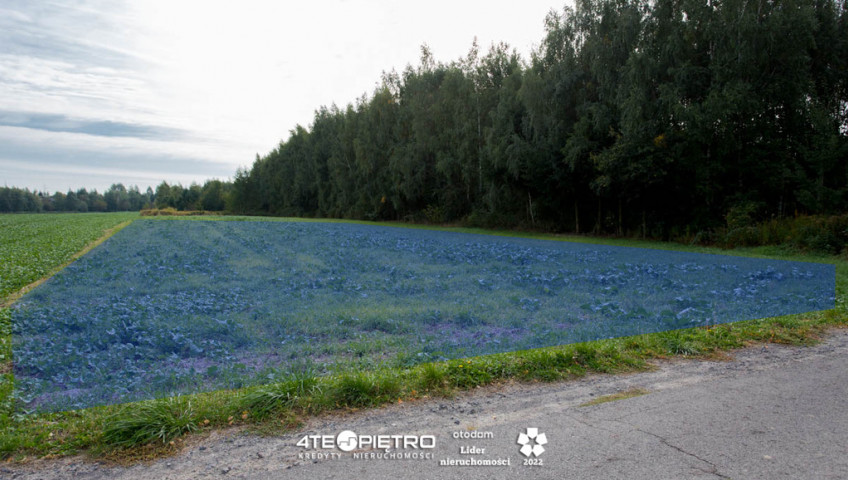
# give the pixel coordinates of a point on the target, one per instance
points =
(274, 398)
(361, 389)
(432, 378)
(144, 422)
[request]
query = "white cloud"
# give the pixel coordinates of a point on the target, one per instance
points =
(58, 174)
(80, 145)
(234, 76)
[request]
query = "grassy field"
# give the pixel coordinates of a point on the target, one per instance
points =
(158, 426)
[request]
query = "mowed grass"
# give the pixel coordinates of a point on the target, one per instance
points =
(157, 427)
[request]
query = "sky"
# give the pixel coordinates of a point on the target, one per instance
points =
(96, 92)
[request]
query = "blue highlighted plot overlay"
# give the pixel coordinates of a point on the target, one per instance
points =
(175, 307)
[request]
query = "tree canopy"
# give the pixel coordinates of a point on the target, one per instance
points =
(630, 116)
(212, 196)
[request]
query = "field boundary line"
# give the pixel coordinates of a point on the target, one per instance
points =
(16, 295)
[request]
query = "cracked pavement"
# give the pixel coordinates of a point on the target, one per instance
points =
(769, 412)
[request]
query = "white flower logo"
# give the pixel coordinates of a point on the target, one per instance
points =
(531, 442)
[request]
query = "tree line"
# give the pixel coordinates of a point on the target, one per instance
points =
(651, 117)
(211, 196)
(115, 199)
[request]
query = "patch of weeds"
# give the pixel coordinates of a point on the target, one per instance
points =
(678, 343)
(432, 378)
(383, 325)
(722, 336)
(468, 373)
(321, 399)
(467, 319)
(361, 389)
(633, 392)
(612, 358)
(389, 385)
(145, 422)
(584, 355)
(548, 365)
(274, 398)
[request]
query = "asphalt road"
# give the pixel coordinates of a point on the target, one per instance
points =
(770, 413)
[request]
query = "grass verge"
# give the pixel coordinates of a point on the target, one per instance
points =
(157, 427)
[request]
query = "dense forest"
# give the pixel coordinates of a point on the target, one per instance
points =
(631, 117)
(118, 198)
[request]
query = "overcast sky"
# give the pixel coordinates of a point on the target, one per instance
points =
(96, 92)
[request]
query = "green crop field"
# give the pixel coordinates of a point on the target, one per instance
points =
(33, 245)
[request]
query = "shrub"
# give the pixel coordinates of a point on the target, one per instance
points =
(741, 215)
(173, 212)
(434, 214)
(810, 233)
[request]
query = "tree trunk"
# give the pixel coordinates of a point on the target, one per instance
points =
(479, 150)
(620, 221)
(576, 217)
(598, 222)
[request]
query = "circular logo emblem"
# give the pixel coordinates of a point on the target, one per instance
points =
(346, 441)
